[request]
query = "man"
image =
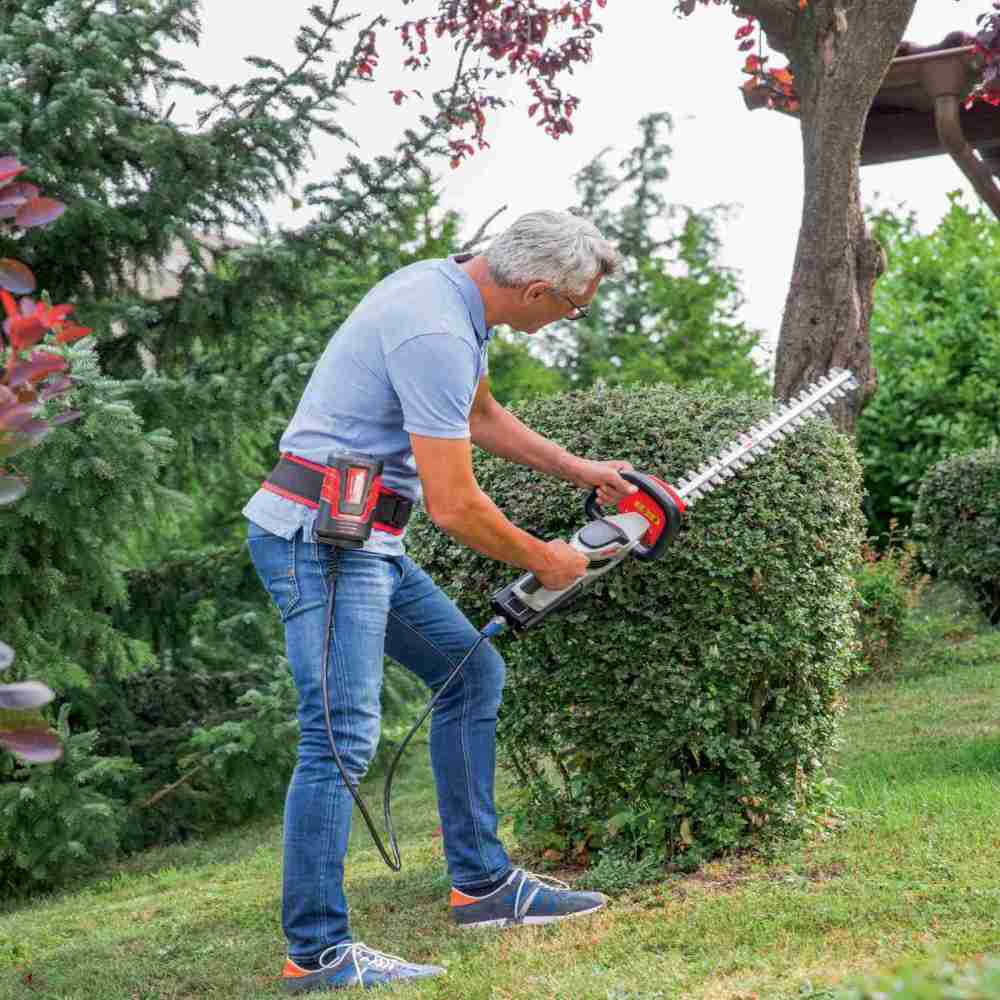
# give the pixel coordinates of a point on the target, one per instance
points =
(404, 380)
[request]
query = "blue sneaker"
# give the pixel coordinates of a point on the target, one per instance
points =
(353, 964)
(524, 899)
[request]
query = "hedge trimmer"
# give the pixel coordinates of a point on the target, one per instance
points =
(646, 522)
(649, 519)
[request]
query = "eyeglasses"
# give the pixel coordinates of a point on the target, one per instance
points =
(579, 311)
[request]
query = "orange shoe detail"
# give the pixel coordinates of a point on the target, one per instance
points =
(292, 971)
(459, 898)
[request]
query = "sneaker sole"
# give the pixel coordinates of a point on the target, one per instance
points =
(317, 981)
(529, 921)
(305, 984)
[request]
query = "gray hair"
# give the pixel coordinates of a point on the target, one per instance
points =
(562, 249)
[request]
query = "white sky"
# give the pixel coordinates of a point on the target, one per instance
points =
(653, 62)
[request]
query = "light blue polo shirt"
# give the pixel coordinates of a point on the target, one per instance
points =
(406, 361)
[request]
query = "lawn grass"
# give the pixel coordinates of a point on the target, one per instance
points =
(913, 873)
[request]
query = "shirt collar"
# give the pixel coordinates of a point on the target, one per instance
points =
(470, 294)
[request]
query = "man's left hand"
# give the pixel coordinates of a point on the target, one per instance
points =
(604, 477)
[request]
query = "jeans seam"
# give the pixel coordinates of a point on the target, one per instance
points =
(329, 821)
(468, 775)
(461, 732)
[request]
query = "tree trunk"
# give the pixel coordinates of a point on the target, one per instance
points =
(839, 51)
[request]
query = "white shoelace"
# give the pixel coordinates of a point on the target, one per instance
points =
(542, 880)
(360, 952)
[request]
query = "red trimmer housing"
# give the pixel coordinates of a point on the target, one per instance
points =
(658, 502)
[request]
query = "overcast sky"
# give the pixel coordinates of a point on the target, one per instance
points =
(643, 63)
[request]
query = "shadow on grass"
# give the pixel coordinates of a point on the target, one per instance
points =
(238, 845)
(233, 947)
(218, 848)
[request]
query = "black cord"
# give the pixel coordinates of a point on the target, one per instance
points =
(395, 862)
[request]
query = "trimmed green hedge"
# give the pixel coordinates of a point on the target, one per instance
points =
(689, 706)
(958, 519)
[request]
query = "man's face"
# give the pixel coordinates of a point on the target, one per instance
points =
(541, 304)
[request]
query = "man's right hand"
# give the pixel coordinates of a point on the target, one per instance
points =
(564, 567)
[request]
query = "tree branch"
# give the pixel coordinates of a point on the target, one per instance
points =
(480, 233)
(778, 18)
(164, 792)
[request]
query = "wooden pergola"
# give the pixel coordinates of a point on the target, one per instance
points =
(920, 111)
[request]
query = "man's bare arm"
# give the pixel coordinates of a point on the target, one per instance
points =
(499, 432)
(461, 509)
(495, 429)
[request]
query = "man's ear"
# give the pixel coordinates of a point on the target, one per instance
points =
(536, 290)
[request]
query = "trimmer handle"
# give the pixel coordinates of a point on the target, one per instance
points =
(657, 501)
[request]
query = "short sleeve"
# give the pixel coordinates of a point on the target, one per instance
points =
(434, 376)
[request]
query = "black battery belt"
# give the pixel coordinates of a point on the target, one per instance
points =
(300, 480)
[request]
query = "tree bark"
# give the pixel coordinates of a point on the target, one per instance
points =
(839, 51)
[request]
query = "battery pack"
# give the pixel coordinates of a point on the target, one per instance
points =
(350, 492)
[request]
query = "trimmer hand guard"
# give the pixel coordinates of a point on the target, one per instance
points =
(657, 501)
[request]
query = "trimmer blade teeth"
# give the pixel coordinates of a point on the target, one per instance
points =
(788, 416)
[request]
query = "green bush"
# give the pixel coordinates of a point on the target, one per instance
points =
(60, 819)
(888, 584)
(689, 706)
(976, 981)
(958, 517)
(935, 338)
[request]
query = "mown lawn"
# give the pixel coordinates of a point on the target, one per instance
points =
(913, 873)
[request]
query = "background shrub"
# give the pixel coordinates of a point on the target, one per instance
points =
(888, 585)
(958, 518)
(946, 981)
(688, 706)
(935, 336)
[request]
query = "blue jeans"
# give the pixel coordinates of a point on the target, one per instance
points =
(384, 605)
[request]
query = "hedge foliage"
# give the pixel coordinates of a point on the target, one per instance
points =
(958, 518)
(684, 707)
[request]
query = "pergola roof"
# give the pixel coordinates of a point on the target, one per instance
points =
(920, 111)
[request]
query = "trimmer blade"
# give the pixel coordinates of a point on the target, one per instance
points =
(784, 421)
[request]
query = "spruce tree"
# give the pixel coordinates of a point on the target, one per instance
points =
(670, 315)
(180, 395)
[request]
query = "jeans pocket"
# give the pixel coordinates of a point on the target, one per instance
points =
(274, 560)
